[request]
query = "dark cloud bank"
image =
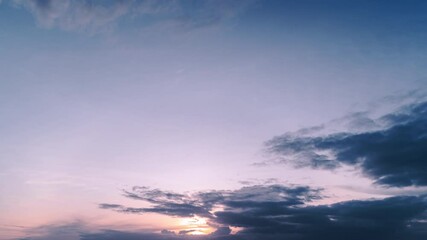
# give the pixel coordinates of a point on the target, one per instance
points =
(277, 212)
(281, 212)
(394, 156)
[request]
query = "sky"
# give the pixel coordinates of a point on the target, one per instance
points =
(213, 119)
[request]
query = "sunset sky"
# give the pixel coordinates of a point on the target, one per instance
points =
(213, 119)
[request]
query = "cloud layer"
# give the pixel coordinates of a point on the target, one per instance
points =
(202, 203)
(394, 156)
(281, 212)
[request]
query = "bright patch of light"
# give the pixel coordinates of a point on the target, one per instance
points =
(193, 222)
(235, 230)
(198, 232)
(195, 225)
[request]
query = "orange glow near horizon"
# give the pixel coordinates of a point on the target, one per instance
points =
(198, 225)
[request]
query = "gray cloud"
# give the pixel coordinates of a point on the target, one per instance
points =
(275, 212)
(202, 203)
(113, 235)
(281, 212)
(165, 231)
(65, 231)
(390, 218)
(393, 156)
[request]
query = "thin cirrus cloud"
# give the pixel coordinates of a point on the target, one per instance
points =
(393, 156)
(99, 16)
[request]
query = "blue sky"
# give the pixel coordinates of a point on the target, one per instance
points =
(189, 97)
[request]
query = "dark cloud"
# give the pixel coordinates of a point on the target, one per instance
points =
(222, 231)
(281, 212)
(376, 219)
(176, 210)
(393, 156)
(185, 232)
(165, 231)
(202, 203)
(276, 212)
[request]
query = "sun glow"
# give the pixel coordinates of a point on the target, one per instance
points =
(195, 226)
(194, 221)
(197, 232)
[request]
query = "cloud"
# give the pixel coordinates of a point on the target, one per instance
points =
(274, 212)
(374, 219)
(395, 155)
(202, 203)
(73, 232)
(98, 16)
(185, 232)
(113, 235)
(65, 231)
(282, 212)
(222, 231)
(165, 231)
(76, 15)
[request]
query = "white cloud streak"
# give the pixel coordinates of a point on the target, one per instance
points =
(100, 16)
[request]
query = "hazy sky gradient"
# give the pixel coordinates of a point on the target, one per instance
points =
(100, 96)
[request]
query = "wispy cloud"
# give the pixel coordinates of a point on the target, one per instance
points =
(66, 231)
(96, 16)
(202, 203)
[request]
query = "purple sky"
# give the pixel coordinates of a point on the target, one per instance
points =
(120, 119)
